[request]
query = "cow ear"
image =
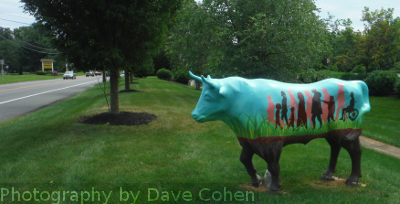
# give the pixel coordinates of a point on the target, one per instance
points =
(223, 91)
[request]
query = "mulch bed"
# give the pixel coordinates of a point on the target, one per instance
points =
(121, 118)
(130, 90)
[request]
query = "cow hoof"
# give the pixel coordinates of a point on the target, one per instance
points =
(256, 183)
(351, 183)
(267, 179)
(273, 192)
(327, 177)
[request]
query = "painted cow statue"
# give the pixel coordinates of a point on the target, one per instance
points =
(267, 115)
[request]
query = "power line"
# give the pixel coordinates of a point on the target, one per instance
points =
(43, 48)
(14, 21)
(29, 48)
(15, 16)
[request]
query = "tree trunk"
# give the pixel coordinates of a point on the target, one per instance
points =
(131, 74)
(127, 80)
(20, 71)
(104, 75)
(198, 85)
(114, 101)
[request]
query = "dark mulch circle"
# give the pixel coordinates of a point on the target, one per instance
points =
(130, 90)
(121, 118)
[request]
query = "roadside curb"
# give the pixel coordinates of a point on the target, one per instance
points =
(380, 147)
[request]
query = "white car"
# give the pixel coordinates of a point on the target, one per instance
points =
(69, 75)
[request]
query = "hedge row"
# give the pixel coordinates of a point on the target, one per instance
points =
(164, 74)
(179, 76)
(379, 82)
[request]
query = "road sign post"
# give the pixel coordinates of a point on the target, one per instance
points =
(328, 62)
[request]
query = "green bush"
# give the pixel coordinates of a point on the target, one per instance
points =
(333, 68)
(310, 76)
(397, 66)
(164, 74)
(182, 76)
(41, 73)
(397, 86)
(359, 69)
(381, 82)
(143, 71)
(343, 75)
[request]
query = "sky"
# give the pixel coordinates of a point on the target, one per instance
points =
(11, 10)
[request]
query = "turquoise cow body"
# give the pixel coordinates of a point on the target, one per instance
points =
(266, 115)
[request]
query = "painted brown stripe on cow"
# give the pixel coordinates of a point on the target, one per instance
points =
(348, 134)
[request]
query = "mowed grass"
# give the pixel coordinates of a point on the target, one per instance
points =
(383, 122)
(50, 151)
(31, 77)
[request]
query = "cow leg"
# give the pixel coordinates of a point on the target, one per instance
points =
(271, 154)
(335, 150)
(354, 149)
(246, 157)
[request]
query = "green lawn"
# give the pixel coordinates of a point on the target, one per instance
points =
(49, 150)
(383, 122)
(31, 77)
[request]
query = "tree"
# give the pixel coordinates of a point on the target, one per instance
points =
(344, 47)
(255, 38)
(8, 50)
(111, 32)
(379, 42)
(33, 45)
(190, 42)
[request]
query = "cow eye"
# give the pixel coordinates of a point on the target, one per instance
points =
(207, 97)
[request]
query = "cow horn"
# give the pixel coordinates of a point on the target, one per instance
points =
(209, 82)
(198, 79)
(208, 77)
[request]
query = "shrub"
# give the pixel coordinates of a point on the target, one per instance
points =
(397, 66)
(164, 74)
(381, 82)
(143, 71)
(359, 69)
(41, 73)
(397, 86)
(181, 76)
(333, 68)
(343, 75)
(310, 76)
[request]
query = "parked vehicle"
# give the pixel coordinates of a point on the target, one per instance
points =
(69, 75)
(97, 73)
(89, 74)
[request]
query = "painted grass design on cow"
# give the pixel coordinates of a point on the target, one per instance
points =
(253, 128)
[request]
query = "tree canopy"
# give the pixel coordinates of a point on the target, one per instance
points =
(114, 33)
(248, 38)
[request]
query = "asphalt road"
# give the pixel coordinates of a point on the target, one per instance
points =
(17, 99)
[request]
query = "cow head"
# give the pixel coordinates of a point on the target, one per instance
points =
(214, 100)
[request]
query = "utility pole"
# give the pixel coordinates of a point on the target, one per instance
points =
(2, 69)
(66, 65)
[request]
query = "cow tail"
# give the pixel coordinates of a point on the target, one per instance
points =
(365, 94)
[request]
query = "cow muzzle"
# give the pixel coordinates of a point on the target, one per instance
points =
(197, 117)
